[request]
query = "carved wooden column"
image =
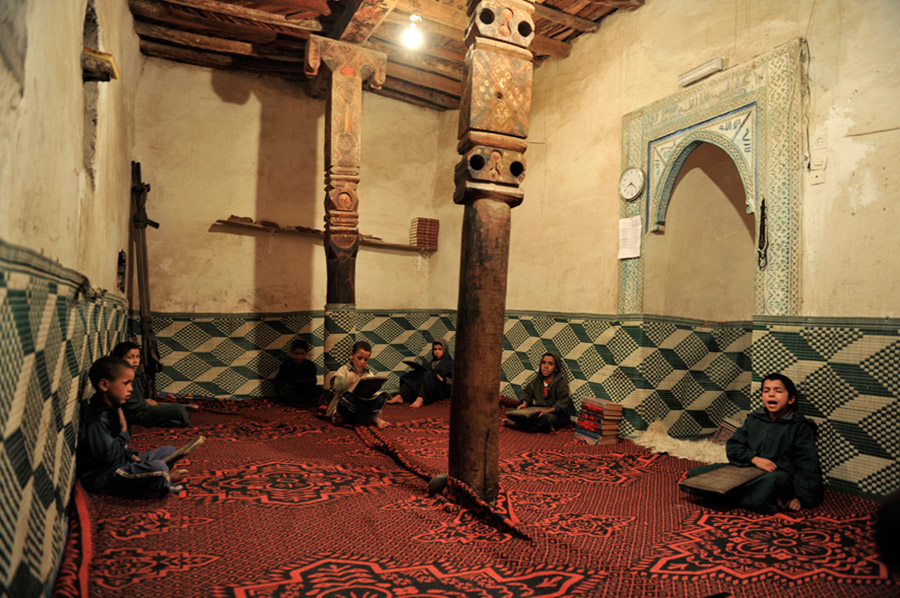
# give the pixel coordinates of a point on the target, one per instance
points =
(493, 126)
(348, 67)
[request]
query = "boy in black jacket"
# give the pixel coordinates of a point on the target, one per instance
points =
(104, 463)
(296, 379)
(778, 440)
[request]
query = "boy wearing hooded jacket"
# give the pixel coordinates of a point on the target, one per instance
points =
(782, 442)
(548, 390)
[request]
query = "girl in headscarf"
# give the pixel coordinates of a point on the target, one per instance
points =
(429, 384)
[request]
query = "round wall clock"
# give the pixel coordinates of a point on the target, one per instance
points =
(631, 183)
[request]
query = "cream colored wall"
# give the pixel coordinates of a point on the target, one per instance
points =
(702, 265)
(566, 230)
(47, 200)
(214, 144)
(443, 281)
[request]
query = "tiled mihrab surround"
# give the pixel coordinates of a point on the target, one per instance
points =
(50, 333)
(688, 374)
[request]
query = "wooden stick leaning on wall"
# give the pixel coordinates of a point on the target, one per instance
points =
(149, 348)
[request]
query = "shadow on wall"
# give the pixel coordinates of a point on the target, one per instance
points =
(289, 189)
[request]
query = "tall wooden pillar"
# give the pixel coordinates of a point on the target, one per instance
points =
(493, 126)
(348, 67)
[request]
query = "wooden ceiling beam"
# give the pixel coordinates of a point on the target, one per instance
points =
(215, 44)
(172, 16)
(563, 18)
(427, 95)
(217, 60)
(436, 11)
(618, 4)
(546, 46)
(389, 33)
(418, 59)
(449, 22)
(424, 79)
(252, 14)
(360, 19)
(320, 6)
(407, 99)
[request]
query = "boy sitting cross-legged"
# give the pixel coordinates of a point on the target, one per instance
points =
(104, 463)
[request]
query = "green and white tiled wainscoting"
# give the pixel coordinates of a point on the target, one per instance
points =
(686, 373)
(52, 327)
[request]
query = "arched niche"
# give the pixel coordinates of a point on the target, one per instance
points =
(659, 206)
(754, 113)
(703, 265)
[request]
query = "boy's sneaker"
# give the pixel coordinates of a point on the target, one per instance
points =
(185, 450)
(177, 475)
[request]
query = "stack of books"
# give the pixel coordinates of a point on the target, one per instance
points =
(423, 233)
(728, 427)
(598, 421)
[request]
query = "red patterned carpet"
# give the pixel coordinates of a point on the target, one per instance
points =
(281, 504)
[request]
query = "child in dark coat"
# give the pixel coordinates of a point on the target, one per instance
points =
(104, 463)
(425, 386)
(296, 379)
(548, 391)
(781, 441)
(144, 411)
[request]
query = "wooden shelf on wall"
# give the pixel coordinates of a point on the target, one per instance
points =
(267, 226)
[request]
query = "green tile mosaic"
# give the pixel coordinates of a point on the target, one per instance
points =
(50, 333)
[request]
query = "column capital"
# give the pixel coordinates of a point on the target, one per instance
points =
(346, 59)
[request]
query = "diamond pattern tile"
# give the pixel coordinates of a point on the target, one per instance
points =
(389, 330)
(264, 335)
(769, 355)
(828, 341)
(883, 367)
(655, 368)
(191, 336)
(723, 371)
(826, 391)
(622, 345)
(49, 336)
(516, 335)
(691, 350)
(590, 362)
(657, 332)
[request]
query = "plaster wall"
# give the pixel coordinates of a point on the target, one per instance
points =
(443, 281)
(253, 146)
(702, 265)
(566, 230)
(48, 201)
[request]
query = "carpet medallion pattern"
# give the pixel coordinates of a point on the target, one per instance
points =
(344, 578)
(594, 526)
(123, 567)
(287, 484)
(615, 468)
(785, 548)
(281, 504)
(142, 523)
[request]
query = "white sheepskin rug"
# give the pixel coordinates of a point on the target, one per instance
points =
(658, 440)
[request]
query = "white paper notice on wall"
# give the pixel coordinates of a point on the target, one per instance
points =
(629, 237)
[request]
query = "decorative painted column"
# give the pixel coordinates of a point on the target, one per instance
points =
(348, 67)
(493, 126)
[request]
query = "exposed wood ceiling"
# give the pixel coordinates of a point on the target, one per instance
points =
(269, 36)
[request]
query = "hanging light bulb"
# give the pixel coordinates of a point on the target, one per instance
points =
(412, 37)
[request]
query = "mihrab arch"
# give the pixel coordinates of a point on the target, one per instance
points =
(754, 113)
